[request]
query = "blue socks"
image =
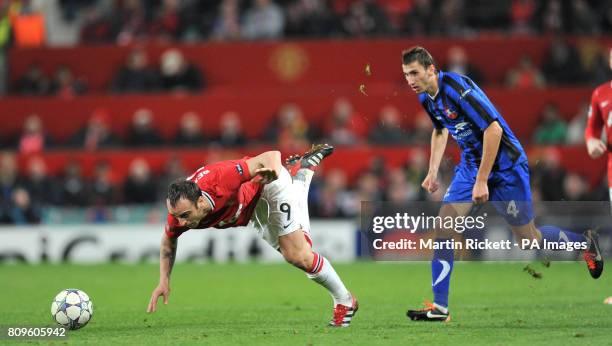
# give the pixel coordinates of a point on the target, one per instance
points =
(443, 258)
(554, 234)
(441, 268)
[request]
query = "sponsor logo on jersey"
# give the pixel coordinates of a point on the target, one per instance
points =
(450, 114)
(462, 129)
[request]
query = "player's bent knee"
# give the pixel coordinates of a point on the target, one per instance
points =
(300, 259)
(296, 250)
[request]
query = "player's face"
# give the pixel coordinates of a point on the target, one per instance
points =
(187, 213)
(418, 77)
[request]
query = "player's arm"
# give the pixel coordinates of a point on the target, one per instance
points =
(267, 166)
(439, 138)
(592, 133)
(490, 146)
(167, 255)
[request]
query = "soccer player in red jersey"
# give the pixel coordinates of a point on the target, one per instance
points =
(261, 191)
(600, 113)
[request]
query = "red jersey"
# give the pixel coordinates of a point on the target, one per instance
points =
(227, 186)
(600, 113)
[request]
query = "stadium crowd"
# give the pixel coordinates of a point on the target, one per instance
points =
(189, 20)
(27, 192)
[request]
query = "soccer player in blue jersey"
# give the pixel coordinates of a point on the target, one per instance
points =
(493, 167)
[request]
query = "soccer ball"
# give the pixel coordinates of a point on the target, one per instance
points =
(72, 308)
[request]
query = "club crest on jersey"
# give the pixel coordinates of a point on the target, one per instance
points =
(450, 114)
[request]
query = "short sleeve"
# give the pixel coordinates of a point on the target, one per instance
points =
(472, 101)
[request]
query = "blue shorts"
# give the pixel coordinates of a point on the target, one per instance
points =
(509, 190)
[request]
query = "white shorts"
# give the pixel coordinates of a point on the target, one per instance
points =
(281, 210)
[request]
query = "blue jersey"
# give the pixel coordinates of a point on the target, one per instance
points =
(464, 109)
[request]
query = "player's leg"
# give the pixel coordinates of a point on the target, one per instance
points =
(297, 251)
(512, 198)
(284, 230)
(457, 203)
(302, 168)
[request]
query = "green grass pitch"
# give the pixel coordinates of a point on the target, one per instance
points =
(232, 304)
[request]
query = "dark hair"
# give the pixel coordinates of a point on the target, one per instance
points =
(418, 53)
(182, 188)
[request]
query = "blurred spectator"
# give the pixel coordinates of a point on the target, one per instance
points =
(230, 131)
(70, 8)
(104, 190)
(423, 127)
(129, 21)
(65, 85)
(74, 188)
(289, 129)
(33, 82)
(368, 188)
(136, 75)
(458, 62)
(139, 187)
(33, 139)
(43, 189)
(264, 20)
(576, 127)
(197, 19)
(22, 210)
(96, 134)
(190, 131)
(605, 10)
(601, 71)
(525, 76)
(589, 52)
(142, 132)
(583, 21)
(521, 15)
(549, 175)
(334, 198)
(551, 17)
(398, 189)
(365, 18)
(27, 25)
(8, 185)
(166, 23)
(562, 64)
(450, 18)
(419, 21)
(173, 170)
(177, 74)
(416, 169)
(311, 18)
(344, 127)
(552, 129)
(97, 27)
(389, 129)
(575, 188)
(227, 27)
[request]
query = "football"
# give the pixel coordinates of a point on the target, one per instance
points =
(72, 308)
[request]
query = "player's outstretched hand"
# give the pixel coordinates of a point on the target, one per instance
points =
(160, 290)
(265, 175)
(596, 147)
(430, 183)
(480, 193)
